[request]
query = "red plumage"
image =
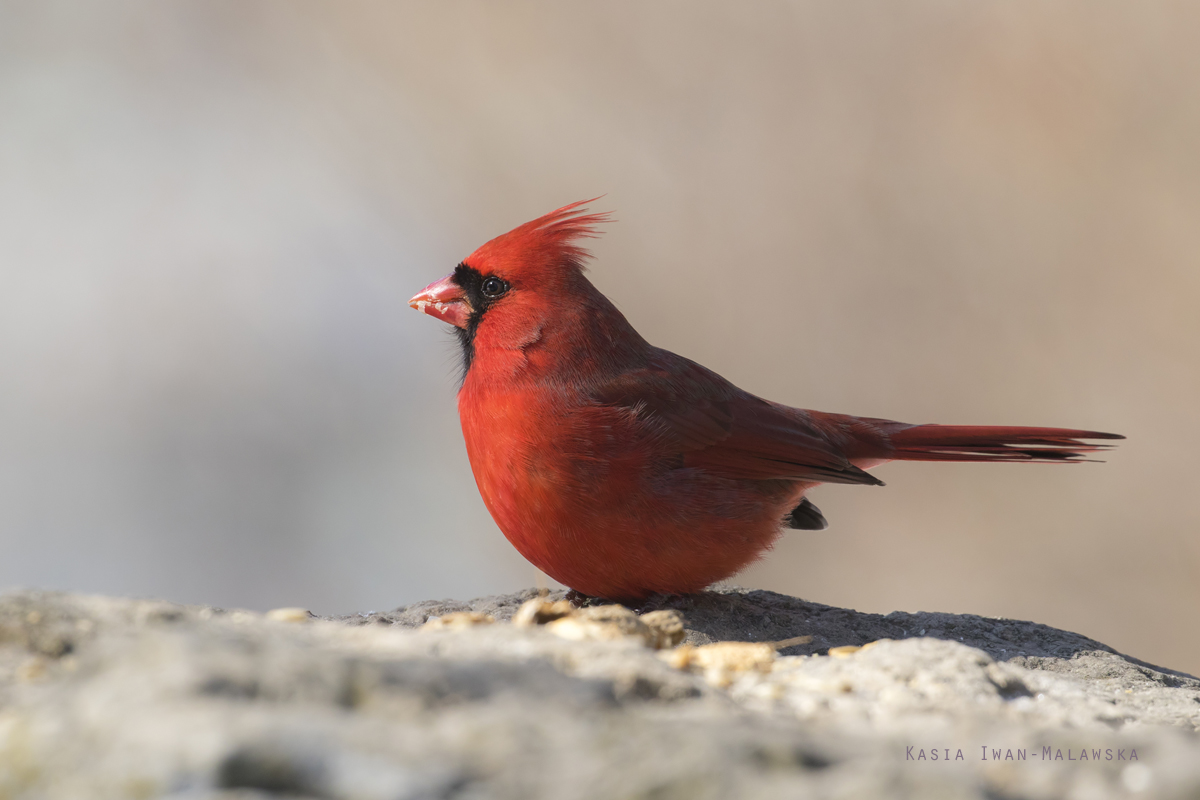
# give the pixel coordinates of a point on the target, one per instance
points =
(621, 469)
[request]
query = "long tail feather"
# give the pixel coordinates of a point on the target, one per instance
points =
(995, 443)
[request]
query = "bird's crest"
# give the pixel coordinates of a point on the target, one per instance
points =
(550, 242)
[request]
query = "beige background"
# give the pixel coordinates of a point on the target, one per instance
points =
(211, 214)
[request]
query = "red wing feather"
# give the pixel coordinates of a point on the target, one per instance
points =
(717, 427)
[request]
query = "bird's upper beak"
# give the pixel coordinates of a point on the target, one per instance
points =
(445, 300)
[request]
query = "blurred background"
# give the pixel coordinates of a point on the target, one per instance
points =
(212, 214)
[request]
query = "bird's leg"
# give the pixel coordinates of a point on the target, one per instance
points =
(581, 600)
(655, 602)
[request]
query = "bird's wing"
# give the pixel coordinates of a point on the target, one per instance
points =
(715, 426)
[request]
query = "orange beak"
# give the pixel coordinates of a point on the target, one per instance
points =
(445, 300)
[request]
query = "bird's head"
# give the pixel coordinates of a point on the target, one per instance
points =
(514, 280)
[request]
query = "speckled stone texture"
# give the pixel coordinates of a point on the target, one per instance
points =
(111, 698)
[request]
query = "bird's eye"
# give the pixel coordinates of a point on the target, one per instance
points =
(494, 287)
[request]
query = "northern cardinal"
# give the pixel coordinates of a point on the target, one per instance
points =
(623, 470)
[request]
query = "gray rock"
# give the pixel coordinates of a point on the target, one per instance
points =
(102, 698)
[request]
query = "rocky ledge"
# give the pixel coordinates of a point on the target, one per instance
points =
(731, 694)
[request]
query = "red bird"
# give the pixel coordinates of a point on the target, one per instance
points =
(622, 470)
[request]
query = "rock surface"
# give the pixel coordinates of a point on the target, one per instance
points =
(103, 697)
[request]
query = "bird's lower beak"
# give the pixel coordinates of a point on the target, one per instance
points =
(445, 300)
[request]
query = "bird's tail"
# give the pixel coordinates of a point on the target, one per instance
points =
(994, 443)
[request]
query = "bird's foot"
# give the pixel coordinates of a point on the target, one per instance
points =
(655, 602)
(581, 600)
